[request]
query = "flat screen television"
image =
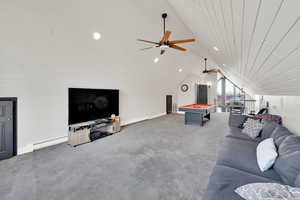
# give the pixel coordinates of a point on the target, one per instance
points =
(92, 104)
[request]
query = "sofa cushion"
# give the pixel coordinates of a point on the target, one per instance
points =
(279, 134)
(287, 164)
(241, 154)
(268, 128)
(224, 180)
(252, 128)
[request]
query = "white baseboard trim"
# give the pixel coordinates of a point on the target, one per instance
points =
(158, 115)
(54, 141)
(49, 142)
(142, 119)
(133, 121)
(26, 149)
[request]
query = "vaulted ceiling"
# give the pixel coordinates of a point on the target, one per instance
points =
(258, 40)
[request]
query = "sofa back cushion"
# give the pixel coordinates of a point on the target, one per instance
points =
(268, 128)
(279, 134)
(287, 164)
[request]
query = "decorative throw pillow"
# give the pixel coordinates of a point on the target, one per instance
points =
(252, 128)
(266, 154)
(268, 191)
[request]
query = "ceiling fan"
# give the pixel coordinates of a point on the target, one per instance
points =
(207, 71)
(165, 43)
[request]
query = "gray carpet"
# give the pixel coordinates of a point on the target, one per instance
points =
(155, 159)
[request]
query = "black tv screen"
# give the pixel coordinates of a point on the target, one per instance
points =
(91, 104)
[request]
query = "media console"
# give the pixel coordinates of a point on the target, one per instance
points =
(89, 131)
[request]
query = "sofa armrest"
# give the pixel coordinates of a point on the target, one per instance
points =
(237, 120)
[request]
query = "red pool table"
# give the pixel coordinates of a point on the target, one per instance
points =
(196, 113)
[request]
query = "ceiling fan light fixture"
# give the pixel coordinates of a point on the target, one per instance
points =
(164, 47)
(180, 70)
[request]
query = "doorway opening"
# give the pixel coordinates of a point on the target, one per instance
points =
(8, 127)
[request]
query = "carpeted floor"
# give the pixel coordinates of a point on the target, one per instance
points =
(155, 159)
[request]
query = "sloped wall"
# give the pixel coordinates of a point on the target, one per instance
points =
(289, 108)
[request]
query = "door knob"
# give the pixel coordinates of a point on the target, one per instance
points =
(8, 119)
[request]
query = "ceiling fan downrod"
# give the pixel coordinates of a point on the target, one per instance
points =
(164, 16)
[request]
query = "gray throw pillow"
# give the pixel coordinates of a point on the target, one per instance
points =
(287, 164)
(268, 127)
(252, 128)
(279, 134)
(268, 191)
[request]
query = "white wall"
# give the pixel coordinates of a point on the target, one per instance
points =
(189, 97)
(47, 47)
(289, 109)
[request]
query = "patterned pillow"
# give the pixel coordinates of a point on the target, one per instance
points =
(252, 128)
(268, 191)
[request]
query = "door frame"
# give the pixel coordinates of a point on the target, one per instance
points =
(14, 100)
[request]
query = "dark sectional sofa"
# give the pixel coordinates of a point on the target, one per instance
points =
(237, 164)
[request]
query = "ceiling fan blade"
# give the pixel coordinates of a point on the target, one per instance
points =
(148, 41)
(177, 47)
(146, 48)
(181, 41)
(212, 70)
(162, 52)
(165, 36)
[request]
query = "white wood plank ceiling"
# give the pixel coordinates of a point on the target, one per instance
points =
(258, 40)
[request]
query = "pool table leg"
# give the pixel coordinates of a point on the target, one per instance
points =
(208, 116)
(201, 120)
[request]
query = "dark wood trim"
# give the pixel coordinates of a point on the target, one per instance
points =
(15, 122)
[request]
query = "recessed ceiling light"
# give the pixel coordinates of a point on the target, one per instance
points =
(97, 36)
(216, 48)
(179, 70)
(224, 65)
(156, 60)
